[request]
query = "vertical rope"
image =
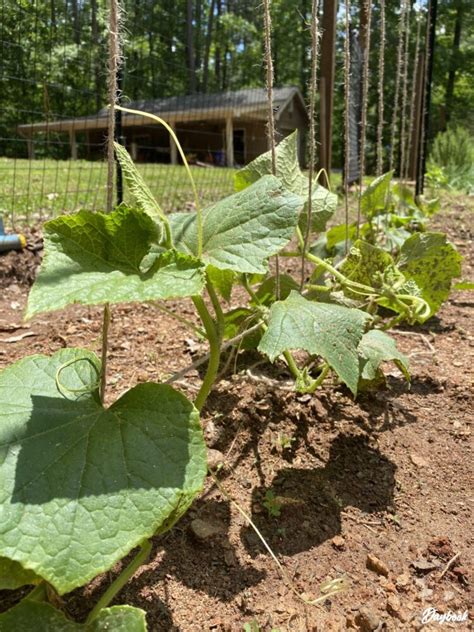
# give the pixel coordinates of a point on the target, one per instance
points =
(267, 26)
(403, 122)
(312, 131)
(413, 97)
(424, 107)
(365, 93)
(347, 104)
(397, 84)
(379, 168)
(113, 65)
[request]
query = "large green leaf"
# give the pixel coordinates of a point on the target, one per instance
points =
(374, 198)
(93, 258)
(376, 347)
(82, 485)
(13, 575)
(432, 263)
(288, 170)
(243, 230)
(33, 616)
(330, 331)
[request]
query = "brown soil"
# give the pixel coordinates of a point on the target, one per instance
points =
(389, 475)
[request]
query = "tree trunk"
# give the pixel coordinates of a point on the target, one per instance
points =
(96, 54)
(190, 46)
(207, 49)
(454, 62)
(198, 41)
(76, 23)
(217, 61)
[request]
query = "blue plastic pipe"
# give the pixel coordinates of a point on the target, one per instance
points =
(10, 242)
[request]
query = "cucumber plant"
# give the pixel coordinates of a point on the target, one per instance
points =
(83, 485)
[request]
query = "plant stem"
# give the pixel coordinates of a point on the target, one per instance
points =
(339, 276)
(217, 308)
(295, 372)
(249, 290)
(120, 581)
(105, 345)
(38, 593)
(213, 337)
(320, 379)
(205, 358)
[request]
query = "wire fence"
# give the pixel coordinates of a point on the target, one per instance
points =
(188, 63)
(53, 66)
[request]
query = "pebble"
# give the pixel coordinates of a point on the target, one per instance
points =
(395, 609)
(211, 433)
(418, 460)
(367, 620)
(215, 459)
(338, 542)
(402, 581)
(377, 566)
(204, 530)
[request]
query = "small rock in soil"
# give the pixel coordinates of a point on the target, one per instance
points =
(402, 581)
(367, 620)
(211, 433)
(377, 566)
(423, 566)
(338, 542)
(418, 460)
(215, 459)
(395, 609)
(426, 594)
(204, 530)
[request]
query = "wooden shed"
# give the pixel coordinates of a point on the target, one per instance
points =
(226, 128)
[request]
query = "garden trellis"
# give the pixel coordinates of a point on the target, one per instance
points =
(53, 76)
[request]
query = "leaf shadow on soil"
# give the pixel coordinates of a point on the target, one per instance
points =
(310, 501)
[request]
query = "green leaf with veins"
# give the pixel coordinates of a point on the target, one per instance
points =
(287, 167)
(330, 331)
(93, 258)
(141, 194)
(376, 347)
(374, 199)
(243, 230)
(366, 264)
(222, 280)
(13, 575)
(32, 615)
(288, 170)
(83, 485)
(432, 263)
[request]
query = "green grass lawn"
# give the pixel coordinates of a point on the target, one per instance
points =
(31, 191)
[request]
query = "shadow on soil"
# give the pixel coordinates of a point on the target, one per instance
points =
(310, 501)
